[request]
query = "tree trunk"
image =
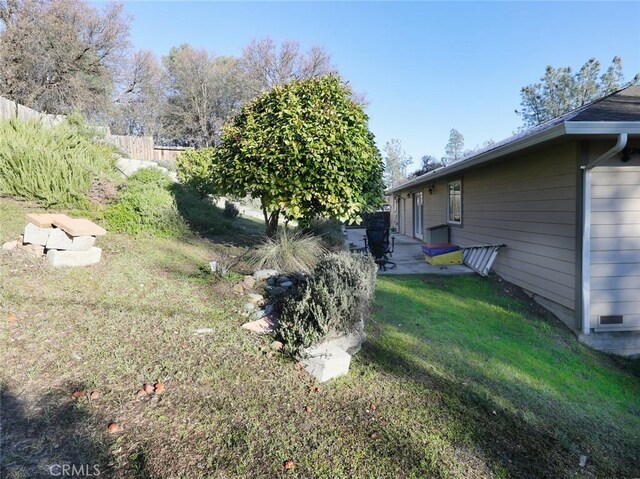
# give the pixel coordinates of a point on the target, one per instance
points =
(271, 222)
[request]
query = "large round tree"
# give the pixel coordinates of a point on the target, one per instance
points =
(305, 150)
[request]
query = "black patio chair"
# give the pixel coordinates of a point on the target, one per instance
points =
(377, 242)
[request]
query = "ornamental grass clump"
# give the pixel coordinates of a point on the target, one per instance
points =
(289, 252)
(335, 300)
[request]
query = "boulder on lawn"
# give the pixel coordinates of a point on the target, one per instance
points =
(263, 325)
(350, 342)
(326, 362)
(263, 274)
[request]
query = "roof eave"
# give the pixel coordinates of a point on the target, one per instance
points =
(527, 142)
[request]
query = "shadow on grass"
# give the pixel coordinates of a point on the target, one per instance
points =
(50, 436)
(207, 220)
(520, 421)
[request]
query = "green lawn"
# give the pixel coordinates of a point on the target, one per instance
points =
(456, 379)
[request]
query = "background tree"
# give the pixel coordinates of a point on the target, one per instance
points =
(454, 151)
(428, 163)
(305, 150)
(396, 162)
(266, 64)
(60, 56)
(141, 100)
(205, 91)
(560, 90)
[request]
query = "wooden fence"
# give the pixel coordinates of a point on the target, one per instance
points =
(168, 153)
(134, 147)
(10, 109)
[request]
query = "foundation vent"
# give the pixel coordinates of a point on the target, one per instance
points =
(612, 319)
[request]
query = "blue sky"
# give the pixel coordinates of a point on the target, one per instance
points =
(425, 67)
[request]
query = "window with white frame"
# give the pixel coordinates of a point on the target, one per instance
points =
(454, 206)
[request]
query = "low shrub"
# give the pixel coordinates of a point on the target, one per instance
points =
(54, 165)
(288, 252)
(230, 210)
(194, 170)
(146, 206)
(330, 230)
(334, 300)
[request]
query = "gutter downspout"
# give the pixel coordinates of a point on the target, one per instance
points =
(586, 229)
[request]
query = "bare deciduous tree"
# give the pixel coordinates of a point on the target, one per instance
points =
(141, 98)
(205, 91)
(267, 64)
(59, 56)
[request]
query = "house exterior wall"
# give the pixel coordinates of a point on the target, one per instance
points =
(527, 203)
(615, 245)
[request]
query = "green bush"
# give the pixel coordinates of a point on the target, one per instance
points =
(230, 210)
(194, 170)
(288, 252)
(146, 206)
(336, 298)
(54, 165)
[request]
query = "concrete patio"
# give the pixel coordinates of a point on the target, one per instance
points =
(408, 256)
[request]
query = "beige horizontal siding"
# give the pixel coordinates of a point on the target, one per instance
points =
(615, 245)
(631, 282)
(529, 204)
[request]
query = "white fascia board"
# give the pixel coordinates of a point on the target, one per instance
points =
(602, 127)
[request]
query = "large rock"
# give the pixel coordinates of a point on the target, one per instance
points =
(350, 342)
(58, 239)
(263, 274)
(255, 298)
(59, 258)
(129, 166)
(35, 235)
(326, 362)
(262, 326)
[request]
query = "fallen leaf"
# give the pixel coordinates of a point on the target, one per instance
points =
(141, 392)
(298, 365)
(308, 409)
(159, 388)
(375, 435)
(94, 395)
(113, 427)
(148, 388)
(78, 393)
(288, 464)
(12, 318)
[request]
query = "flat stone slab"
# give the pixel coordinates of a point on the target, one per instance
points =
(58, 258)
(79, 227)
(262, 326)
(44, 220)
(326, 362)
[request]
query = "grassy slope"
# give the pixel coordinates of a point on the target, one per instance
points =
(520, 382)
(436, 367)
